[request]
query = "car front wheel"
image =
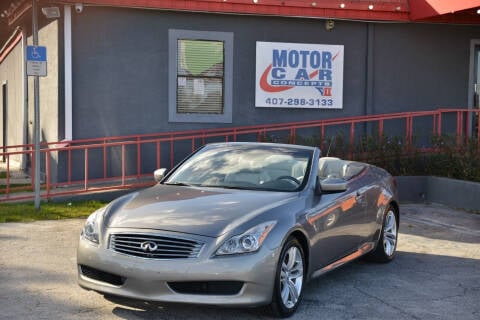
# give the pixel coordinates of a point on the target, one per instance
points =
(289, 279)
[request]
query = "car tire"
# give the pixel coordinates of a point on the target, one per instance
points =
(289, 280)
(387, 242)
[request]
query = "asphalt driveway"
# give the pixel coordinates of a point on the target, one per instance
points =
(436, 275)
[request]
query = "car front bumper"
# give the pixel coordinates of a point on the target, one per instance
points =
(151, 279)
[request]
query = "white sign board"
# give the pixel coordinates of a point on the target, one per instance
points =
(36, 61)
(297, 75)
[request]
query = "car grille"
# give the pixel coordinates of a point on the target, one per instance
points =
(154, 246)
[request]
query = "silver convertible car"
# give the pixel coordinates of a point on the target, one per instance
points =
(240, 224)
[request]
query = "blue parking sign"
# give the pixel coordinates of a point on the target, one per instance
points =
(36, 61)
(36, 53)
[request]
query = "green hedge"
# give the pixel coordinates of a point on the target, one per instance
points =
(444, 156)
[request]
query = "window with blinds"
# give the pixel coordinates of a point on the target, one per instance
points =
(200, 76)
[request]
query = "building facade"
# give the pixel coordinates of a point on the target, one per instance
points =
(119, 68)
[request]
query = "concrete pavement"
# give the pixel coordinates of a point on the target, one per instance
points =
(436, 275)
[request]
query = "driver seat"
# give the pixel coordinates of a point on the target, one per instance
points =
(253, 176)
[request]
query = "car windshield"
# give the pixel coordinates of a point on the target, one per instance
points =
(252, 167)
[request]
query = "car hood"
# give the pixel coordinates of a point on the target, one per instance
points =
(203, 211)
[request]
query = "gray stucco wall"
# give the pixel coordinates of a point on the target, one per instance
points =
(421, 66)
(121, 62)
(11, 74)
(48, 36)
(49, 86)
(120, 67)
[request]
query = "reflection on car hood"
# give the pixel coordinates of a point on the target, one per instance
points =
(203, 211)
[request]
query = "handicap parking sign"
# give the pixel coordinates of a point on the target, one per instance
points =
(37, 61)
(36, 53)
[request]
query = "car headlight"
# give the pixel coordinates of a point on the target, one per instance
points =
(90, 230)
(249, 241)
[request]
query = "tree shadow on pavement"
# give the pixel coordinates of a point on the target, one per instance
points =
(440, 222)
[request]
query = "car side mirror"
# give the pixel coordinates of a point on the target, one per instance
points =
(332, 184)
(159, 174)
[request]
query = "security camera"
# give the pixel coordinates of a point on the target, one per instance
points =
(78, 7)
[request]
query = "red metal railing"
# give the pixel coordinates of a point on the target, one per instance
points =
(82, 171)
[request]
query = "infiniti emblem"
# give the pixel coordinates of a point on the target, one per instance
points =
(149, 246)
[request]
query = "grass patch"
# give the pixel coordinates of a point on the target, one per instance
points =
(25, 212)
(20, 186)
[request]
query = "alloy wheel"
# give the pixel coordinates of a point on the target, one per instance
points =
(291, 277)
(390, 233)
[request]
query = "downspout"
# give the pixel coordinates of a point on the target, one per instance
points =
(67, 28)
(369, 79)
(24, 164)
(370, 74)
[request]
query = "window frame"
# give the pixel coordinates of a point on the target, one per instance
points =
(227, 38)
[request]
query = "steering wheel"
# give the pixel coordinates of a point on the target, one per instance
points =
(290, 178)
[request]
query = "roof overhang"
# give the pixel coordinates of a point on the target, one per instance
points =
(15, 10)
(443, 11)
(338, 9)
(370, 10)
(433, 9)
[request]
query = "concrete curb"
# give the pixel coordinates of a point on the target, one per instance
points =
(450, 192)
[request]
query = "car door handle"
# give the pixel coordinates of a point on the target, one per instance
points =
(360, 198)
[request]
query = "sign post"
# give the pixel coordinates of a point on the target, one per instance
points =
(38, 65)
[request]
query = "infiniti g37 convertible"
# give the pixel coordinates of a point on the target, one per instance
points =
(240, 224)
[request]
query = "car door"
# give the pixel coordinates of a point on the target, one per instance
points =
(378, 198)
(338, 221)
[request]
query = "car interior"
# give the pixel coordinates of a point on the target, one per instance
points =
(337, 168)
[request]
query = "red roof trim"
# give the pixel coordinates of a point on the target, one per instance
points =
(396, 10)
(383, 10)
(14, 40)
